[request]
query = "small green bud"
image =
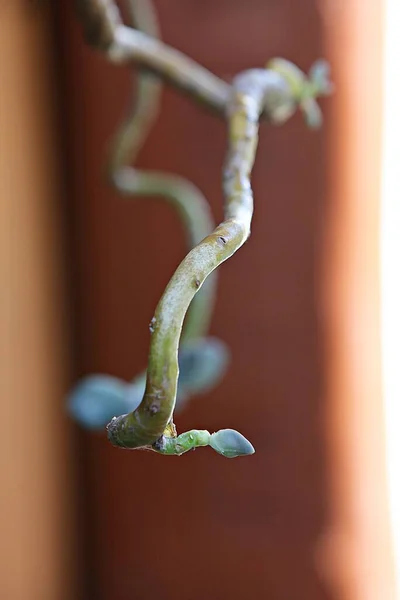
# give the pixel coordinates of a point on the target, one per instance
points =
(291, 73)
(230, 443)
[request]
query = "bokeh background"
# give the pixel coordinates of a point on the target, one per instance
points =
(82, 269)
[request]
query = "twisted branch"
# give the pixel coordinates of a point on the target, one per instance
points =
(275, 91)
(202, 360)
(104, 30)
(186, 198)
(252, 92)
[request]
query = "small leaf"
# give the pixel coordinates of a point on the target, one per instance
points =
(230, 443)
(135, 391)
(312, 113)
(96, 399)
(202, 364)
(319, 75)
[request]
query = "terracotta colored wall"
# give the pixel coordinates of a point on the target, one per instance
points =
(200, 525)
(36, 499)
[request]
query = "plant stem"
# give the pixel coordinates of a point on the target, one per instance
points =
(176, 446)
(252, 92)
(186, 198)
(104, 30)
(131, 46)
(274, 92)
(196, 217)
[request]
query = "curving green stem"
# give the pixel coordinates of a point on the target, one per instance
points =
(175, 446)
(103, 28)
(252, 92)
(227, 442)
(196, 217)
(274, 92)
(186, 198)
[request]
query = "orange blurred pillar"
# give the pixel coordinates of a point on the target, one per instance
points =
(357, 556)
(35, 507)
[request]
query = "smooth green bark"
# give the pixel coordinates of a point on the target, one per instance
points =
(275, 93)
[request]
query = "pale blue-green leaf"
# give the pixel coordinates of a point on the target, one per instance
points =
(202, 364)
(230, 443)
(96, 399)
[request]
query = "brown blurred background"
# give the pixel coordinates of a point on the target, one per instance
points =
(306, 517)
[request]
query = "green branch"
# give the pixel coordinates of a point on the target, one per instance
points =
(186, 198)
(253, 92)
(276, 92)
(104, 30)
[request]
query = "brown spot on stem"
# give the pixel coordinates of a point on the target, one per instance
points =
(196, 283)
(159, 444)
